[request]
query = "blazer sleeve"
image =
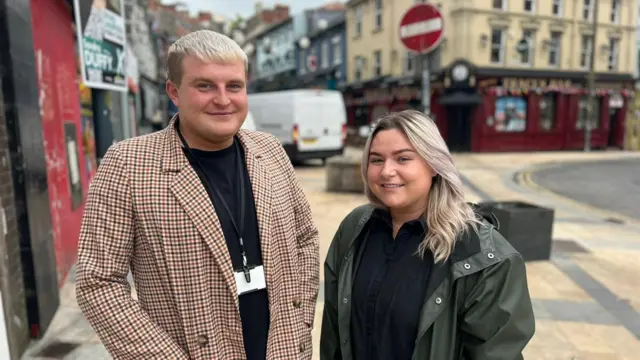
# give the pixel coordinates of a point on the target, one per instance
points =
(308, 243)
(105, 250)
(498, 320)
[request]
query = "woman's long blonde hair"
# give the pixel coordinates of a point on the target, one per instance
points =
(447, 213)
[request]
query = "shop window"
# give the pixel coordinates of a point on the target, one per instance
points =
(548, 112)
(511, 114)
(583, 113)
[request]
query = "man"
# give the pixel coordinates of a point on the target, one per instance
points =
(212, 222)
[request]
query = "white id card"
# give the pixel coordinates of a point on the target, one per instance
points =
(257, 280)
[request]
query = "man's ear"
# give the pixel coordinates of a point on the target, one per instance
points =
(172, 91)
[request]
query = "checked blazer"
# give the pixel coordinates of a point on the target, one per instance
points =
(148, 211)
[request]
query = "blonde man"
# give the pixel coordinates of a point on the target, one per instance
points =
(212, 223)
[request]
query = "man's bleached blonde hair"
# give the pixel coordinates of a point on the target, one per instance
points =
(447, 214)
(206, 45)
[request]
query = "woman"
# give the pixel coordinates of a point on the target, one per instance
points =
(419, 273)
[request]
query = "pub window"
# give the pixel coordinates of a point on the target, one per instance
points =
(614, 45)
(377, 63)
(556, 8)
(587, 10)
(529, 6)
(615, 11)
(359, 66)
(511, 114)
(500, 4)
(585, 51)
(548, 112)
(554, 48)
(497, 46)
(378, 14)
(409, 64)
(358, 22)
(526, 57)
(583, 113)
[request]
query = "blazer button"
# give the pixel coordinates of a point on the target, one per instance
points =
(203, 340)
(297, 303)
(303, 347)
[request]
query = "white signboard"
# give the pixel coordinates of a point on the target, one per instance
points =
(102, 41)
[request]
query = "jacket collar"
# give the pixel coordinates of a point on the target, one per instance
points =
(173, 158)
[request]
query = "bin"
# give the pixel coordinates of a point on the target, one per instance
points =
(528, 227)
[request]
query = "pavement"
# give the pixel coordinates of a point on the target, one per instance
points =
(586, 297)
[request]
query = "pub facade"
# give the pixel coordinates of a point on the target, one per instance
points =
(491, 110)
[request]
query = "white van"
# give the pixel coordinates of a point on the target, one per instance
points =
(249, 123)
(310, 123)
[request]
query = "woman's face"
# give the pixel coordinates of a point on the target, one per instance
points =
(397, 174)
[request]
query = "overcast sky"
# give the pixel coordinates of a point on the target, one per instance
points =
(245, 8)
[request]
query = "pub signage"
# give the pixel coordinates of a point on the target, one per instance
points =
(512, 83)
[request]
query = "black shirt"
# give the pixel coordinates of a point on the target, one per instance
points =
(221, 168)
(389, 289)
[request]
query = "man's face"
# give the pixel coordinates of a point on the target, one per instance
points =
(211, 99)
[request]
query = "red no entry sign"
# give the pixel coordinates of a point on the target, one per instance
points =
(421, 28)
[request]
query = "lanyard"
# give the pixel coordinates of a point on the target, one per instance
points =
(239, 229)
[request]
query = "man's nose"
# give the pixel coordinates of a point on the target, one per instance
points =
(221, 98)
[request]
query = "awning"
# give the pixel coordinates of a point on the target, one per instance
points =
(460, 98)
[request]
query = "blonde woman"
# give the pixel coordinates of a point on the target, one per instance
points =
(419, 273)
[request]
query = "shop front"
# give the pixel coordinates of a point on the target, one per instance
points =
(538, 111)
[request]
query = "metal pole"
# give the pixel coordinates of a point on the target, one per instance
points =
(591, 81)
(426, 84)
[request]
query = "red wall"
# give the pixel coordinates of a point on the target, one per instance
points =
(60, 103)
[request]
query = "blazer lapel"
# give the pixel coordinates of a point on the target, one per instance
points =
(261, 185)
(194, 199)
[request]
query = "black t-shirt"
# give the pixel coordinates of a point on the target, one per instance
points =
(222, 169)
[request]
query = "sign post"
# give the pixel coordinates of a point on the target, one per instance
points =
(421, 31)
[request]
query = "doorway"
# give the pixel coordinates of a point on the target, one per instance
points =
(459, 128)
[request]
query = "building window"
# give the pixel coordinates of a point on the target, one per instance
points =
(410, 64)
(377, 63)
(526, 57)
(583, 113)
(324, 61)
(511, 114)
(587, 10)
(378, 15)
(554, 48)
(358, 22)
(500, 4)
(529, 6)
(359, 66)
(497, 46)
(556, 8)
(548, 112)
(615, 11)
(337, 50)
(585, 51)
(614, 45)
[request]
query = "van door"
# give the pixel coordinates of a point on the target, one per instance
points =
(320, 116)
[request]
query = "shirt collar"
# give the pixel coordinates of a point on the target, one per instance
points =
(385, 216)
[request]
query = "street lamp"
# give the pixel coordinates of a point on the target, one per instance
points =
(591, 80)
(304, 42)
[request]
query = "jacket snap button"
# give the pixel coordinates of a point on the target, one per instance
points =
(345, 300)
(297, 303)
(467, 266)
(203, 340)
(438, 301)
(490, 255)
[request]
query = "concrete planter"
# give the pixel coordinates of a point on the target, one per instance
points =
(343, 174)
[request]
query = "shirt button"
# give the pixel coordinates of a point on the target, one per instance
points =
(438, 301)
(203, 340)
(490, 255)
(297, 303)
(467, 266)
(303, 347)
